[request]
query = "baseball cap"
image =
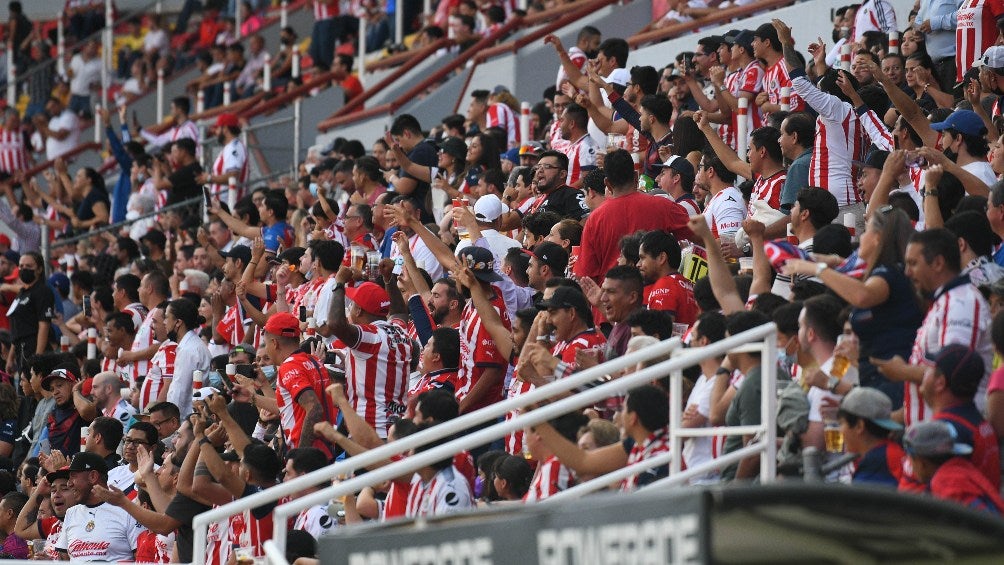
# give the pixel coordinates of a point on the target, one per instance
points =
(230, 456)
(87, 461)
(226, 119)
(934, 439)
(454, 147)
(60, 473)
(745, 40)
(499, 89)
(61, 282)
(972, 74)
(4, 240)
(552, 255)
(241, 252)
(729, 38)
(870, 404)
(64, 374)
(960, 366)
(993, 58)
(766, 32)
(531, 148)
(371, 297)
(480, 261)
(283, 324)
(875, 159)
(619, 76)
(511, 155)
(291, 256)
(12, 256)
(155, 236)
(963, 121)
(678, 164)
(488, 208)
(566, 297)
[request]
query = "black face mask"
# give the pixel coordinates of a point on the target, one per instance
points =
(952, 155)
(592, 54)
(220, 139)
(144, 251)
(287, 40)
(27, 276)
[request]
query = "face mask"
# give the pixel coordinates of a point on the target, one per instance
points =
(215, 379)
(327, 185)
(27, 276)
(144, 251)
(140, 177)
(287, 40)
(268, 371)
(785, 362)
(313, 189)
(479, 486)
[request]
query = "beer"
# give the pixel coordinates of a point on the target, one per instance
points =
(358, 258)
(840, 366)
(834, 438)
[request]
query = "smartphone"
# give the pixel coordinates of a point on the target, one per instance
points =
(87, 305)
(246, 370)
(331, 358)
(205, 194)
(914, 160)
(303, 314)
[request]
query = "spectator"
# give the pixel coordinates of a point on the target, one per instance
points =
(30, 313)
(59, 126)
(866, 425)
(551, 476)
(84, 71)
(182, 323)
(744, 409)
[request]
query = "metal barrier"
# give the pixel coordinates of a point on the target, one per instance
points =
(765, 333)
(462, 423)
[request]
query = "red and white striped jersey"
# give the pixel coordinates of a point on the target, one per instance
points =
(656, 444)
(233, 157)
(109, 365)
(299, 373)
(727, 131)
(550, 478)
(137, 312)
(325, 9)
(478, 351)
(248, 530)
(578, 57)
(958, 315)
(975, 31)
(554, 139)
(774, 79)
(581, 158)
(500, 115)
(589, 339)
(185, 130)
(144, 339)
(377, 372)
(876, 131)
(231, 326)
(725, 211)
(13, 153)
(873, 15)
(751, 80)
(446, 493)
(769, 190)
(514, 440)
(838, 143)
(161, 367)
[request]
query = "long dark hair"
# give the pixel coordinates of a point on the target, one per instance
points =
(895, 230)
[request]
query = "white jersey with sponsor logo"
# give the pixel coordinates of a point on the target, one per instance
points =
(315, 521)
(122, 411)
(99, 533)
(725, 212)
(377, 372)
(446, 493)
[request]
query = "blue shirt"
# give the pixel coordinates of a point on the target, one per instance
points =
(796, 179)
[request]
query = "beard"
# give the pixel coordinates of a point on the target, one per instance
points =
(439, 314)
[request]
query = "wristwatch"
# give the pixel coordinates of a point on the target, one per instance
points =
(831, 383)
(338, 286)
(820, 267)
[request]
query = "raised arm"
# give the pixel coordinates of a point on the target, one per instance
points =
(722, 283)
(729, 157)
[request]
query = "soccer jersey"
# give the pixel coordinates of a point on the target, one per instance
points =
(581, 158)
(98, 533)
(726, 131)
(122, 411)
(588, 339)
(13, 153)
(725, 212)
(768, 189)
(550, 478)
(152, 547)
(124, 479)
(674, 293)
(873, 15)
(656, 443)
(750, 80)
(446, 493)
(502, 116)
(578, 57)
(144, 339)
(231, 326)
(299, 373)
(774, 79)
(161, 371)
(233, 157)
(315, 521)
(49, 529)
(377, 372)
(959, 314)
(253, 527)
(478, 351)
(975, 31)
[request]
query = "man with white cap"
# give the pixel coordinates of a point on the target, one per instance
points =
(866, 423)
(487, 210)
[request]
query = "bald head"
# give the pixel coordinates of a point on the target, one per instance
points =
(106, 388)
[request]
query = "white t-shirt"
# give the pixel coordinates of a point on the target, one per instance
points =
(85, 73)
(983, 171)
(100, 533)
(156, 40)
(697, 451)
(322, 306)
(67, 121)
(498, 244)
(816, 394)
(725, 212)
(315, 521)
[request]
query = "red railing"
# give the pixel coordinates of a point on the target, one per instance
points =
(68, 155)
(276, 102)
(428, 82)
(647, 36)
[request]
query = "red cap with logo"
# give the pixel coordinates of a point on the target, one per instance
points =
(226, 120)
(283, 324)
(371, 297)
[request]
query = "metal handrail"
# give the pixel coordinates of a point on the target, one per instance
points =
(403, 445)
(124, 223)
(557, 408)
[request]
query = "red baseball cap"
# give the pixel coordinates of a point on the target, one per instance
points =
(283, 324)
(371, 297)
(226, 120)
(4, 240)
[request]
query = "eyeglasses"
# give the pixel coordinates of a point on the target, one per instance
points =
(132, 441)
(160, 423)
(545, 166)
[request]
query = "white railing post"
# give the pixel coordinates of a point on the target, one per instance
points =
(845, 57)
(785, 98)
(295, 70)
(46, 245)
(237, 19)
(361, 50)
(160, 95)
(11, 77)
(60, 45)
(284, 14)
(266, 74)
(232, 193)
(398, 22)
(97, 124)
(106, 51)
(426, 11)
(893, 42)
(524, 123)
(92, 343)
(675, 420)
(297, 116)
(227, 96)
(768, 408)
(743, 129)
(200, 102)
(159, 8)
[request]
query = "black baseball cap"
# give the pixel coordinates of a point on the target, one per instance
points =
(569, 297)
(241, 252)
(480, 261)
(552, 255)
(291, 256)
(87, 461)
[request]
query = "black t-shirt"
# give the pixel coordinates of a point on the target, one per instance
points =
(33, 305)
(183, 184)
(86, 209)
(567, 202)
(425, 154)
(184, 510)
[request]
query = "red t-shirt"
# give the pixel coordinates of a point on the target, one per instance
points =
(624, 215)
(478, 351)
(674, 293)
(297, 374)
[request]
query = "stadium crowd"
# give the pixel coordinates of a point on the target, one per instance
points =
(204, 354)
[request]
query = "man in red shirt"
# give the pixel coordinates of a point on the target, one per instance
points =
(344, 78)
(300, 384)
(571, 316)
(625, 211)
(659, 257)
